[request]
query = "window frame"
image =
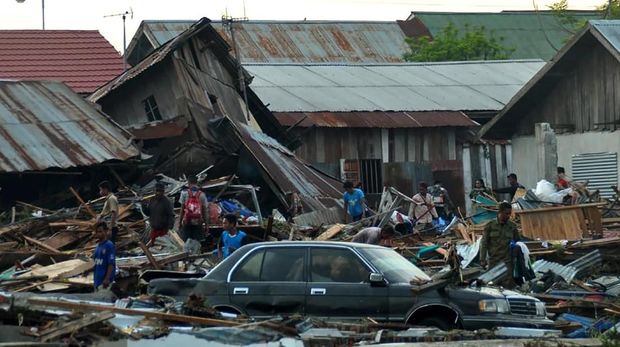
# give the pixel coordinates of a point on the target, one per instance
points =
(152, 114)
(362, 261)
(243, 261)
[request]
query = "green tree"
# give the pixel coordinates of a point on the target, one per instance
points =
(475, 43)
(573, 24)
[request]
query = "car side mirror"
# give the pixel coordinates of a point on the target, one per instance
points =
(376, 278)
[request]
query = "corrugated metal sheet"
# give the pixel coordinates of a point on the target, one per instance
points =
(279, 167)
(451, 86)
(599, 169)
(375, 119)
(532, 34)
(296, 41)
(45, 125)
(610, 29)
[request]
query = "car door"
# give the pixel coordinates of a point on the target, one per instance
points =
(270, 281)
(338, 286)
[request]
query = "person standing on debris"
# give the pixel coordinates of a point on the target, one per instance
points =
(512, 188)
(562, 182)
(422, 210)
(354, 202)
(161, 213)
(441, 200)
(105, 258)
(497, 237)
(231, 238)
(480, 190)
(110, 208)
(374, 235)
(193, 218)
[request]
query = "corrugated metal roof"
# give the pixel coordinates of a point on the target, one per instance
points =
(533, 34)
(294, 41)
(375, 119)
(45, 125)
(610, 29)
(83, 59)
(449, 86)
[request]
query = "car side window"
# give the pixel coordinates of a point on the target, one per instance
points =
(283, 264)
(249, 270)
(336, 265)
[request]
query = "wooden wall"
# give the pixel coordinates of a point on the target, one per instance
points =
(586, 95)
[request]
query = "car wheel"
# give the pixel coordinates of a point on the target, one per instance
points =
(436, 323)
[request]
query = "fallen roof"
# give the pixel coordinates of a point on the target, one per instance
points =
(46, 124)
(604, 32)
(290, 41)
(532, 34)
(280, 168)
(446, 86)
(83, 59)
(375, 119)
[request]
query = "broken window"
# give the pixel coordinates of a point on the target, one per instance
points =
(336, 265)
(249, 271)
(151, 109)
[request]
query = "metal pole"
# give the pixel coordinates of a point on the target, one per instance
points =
(43, 13)
(124, 43)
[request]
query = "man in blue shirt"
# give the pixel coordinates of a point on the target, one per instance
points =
(354, 202)
(232, 238)
(105, 258)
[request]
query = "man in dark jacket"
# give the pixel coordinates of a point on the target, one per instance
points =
(512, 189)
(161, 213)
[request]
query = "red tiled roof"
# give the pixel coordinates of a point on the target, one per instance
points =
(83, 59)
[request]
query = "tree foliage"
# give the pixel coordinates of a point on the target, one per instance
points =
(475, 43)
(574, 24)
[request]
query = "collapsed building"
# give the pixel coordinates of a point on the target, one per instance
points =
(176, 98)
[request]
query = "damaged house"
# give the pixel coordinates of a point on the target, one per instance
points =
(577, 94)
(52, 139)
(178, 100)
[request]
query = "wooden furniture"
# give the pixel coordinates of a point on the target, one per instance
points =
(561, 223)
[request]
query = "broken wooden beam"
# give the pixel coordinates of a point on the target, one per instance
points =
(149, 256)
(170, 317)
(74, 326)
(41, 245)
(82, 202)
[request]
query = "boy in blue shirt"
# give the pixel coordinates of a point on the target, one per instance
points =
(105, 258)
(232, 238)
(354, 202)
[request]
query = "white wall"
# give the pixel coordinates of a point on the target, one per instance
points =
(524, 152)
(590, 142)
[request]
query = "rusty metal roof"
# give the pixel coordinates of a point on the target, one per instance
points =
(446, 86)
(290, 41)
(375, 119)
(47, 125)
(281, 168)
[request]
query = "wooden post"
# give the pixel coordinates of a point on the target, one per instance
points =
(82, 202)
(268, 228)
(170, 317)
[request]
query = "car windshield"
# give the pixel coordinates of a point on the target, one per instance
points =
(393, 266)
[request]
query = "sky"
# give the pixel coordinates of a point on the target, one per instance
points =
(90, 14)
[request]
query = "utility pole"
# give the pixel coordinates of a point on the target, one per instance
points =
(124, 16)
(42, 11)
(230, 23)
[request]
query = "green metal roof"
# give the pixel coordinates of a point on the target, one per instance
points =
(531, 34)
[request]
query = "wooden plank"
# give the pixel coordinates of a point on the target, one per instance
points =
(41, 245)
(74, 326)
(174, 236)
(149, 256)
(82, 202)
(560, 208)
(63, 239)
(331, 232)
(170, 317)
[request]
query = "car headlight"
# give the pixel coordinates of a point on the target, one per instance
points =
(494, 306)
(540, 309)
